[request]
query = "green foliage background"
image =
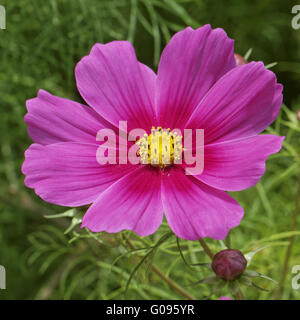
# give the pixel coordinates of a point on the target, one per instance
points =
(39, 49)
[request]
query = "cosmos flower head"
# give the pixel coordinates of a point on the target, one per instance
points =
(198, 85)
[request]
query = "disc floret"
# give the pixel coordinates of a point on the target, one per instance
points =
(160, 148)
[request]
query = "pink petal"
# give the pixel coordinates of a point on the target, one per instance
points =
(67, 173)
(190, 64)
(117, 86)
(132, 203)
(238, 164)
(241, 104)
(195, 210)
(51, 119)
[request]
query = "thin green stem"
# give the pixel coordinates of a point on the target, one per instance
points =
(206, 248)
(288, 253)
(240, 295)
(228, 241)
(172, 284)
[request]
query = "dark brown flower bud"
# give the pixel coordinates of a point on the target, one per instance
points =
(229, 264)
(239, 60)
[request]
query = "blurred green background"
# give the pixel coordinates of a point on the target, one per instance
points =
(42, 42)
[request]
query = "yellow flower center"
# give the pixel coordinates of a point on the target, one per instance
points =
(160, 148)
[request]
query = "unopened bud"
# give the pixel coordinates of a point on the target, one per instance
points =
(229, 264)
(239, 59)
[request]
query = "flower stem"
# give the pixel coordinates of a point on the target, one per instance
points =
(227, 241)
(240, 295)
(288, 253)
(172, 284)
(206, 248)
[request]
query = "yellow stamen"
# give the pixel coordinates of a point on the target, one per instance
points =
(160, 148)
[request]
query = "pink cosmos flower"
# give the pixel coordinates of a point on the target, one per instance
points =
(197, 85)
(225, 298)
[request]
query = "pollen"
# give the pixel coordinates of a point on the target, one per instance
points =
(160, 148)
